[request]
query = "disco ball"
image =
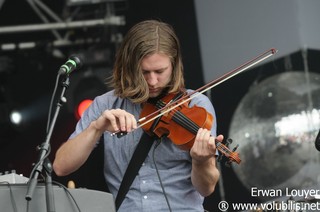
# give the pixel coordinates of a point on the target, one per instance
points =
(276, 124)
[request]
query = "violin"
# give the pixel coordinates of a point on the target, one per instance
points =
(171, 115)
(181, 124)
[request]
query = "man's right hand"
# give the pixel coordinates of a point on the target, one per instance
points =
(115, 120)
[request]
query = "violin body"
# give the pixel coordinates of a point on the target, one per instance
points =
(180, 125)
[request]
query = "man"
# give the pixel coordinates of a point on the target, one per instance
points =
(148, 66)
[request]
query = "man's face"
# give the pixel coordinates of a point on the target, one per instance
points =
(157, 70)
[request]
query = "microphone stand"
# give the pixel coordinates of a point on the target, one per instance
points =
(43, 160)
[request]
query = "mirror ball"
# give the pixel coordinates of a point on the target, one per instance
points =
(275, 125)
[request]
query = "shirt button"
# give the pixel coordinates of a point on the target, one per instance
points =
(143, 181)
(143, 164)
(145, 197)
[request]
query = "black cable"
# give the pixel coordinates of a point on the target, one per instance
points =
(155, 165)
(51, 101)
(66, 189)
(13, 202)
(68, 192)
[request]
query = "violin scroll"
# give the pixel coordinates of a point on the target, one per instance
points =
(232, 156)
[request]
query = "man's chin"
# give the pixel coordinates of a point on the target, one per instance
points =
(154, 95)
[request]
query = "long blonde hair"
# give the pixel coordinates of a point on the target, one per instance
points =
(145, 38)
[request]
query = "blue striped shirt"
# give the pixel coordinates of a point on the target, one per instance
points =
(174, 164)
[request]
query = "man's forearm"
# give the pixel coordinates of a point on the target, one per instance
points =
(73, 153)
(205, 176)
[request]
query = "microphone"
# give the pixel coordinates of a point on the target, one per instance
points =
(317, 141)
(72, 64)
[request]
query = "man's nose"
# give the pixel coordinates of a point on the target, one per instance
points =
(152, 79)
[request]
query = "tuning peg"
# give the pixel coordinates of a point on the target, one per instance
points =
(235, 148)
(229, 141)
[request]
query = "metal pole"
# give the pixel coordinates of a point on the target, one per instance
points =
(110, 20)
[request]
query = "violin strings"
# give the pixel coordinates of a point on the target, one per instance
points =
(184, 121)
(223, 148)
(189, 124)
(193, 127)
(180, 118)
